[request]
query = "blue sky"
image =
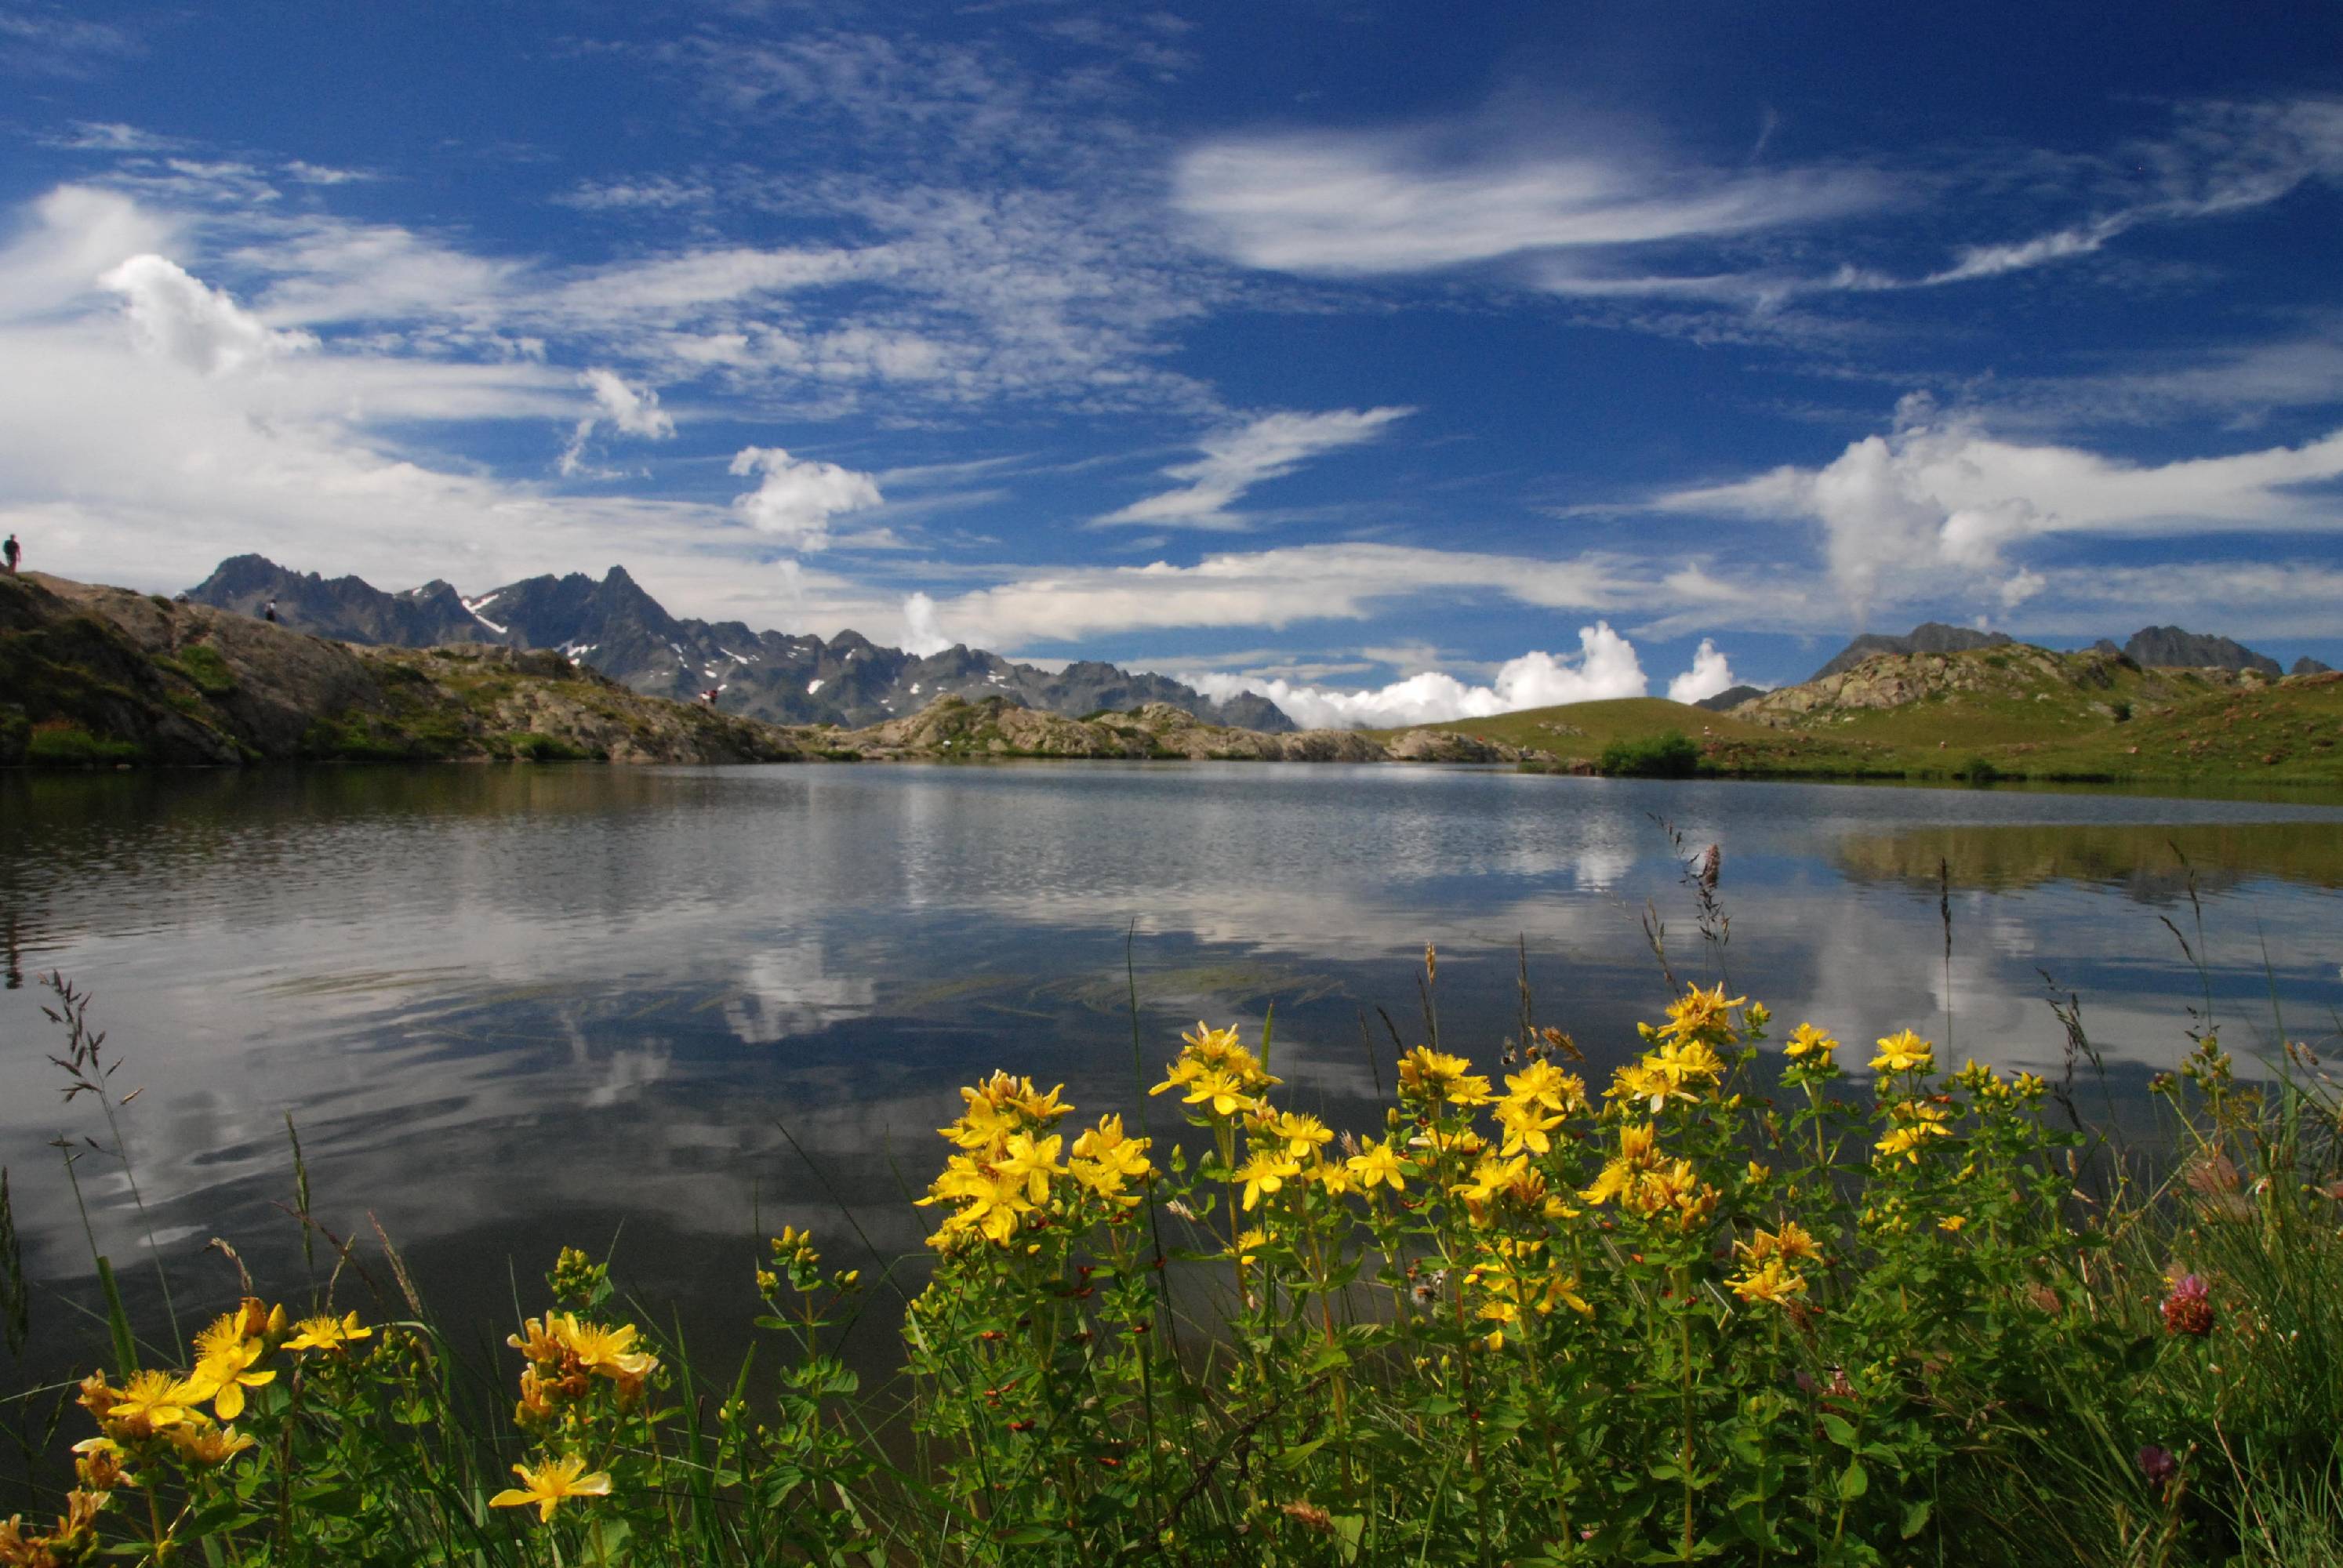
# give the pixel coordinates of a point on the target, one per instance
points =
(1418, 359)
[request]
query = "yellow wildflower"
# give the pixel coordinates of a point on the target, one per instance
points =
(1674, 1189)
(1770, 1280)
(1105, 1160)
(1527, 1126)
(552, 1482)
(326, 1333)
(1489, 1177)
(1792, 1243)
(1030, 1161)
(1700, 1018)
(209, 1445)
(1002, 1105)
(1952, 1223)
(1303, 1135)
(1266, 1171)
(1545, 1085)
(226, 1362)
(1428, 1074)
(1377, 1162)
(1810, 1045)
(1638, 1151)
(154, 1400)
(1905, 1052)
(1249, 1245)
(608, 1353)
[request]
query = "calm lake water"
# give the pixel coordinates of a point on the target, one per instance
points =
(513, 1006)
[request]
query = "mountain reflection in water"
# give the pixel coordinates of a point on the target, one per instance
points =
(510, 1007)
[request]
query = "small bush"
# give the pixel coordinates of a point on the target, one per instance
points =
(1669, 756)
(1976, 770)
(526, 746)
(61, 743)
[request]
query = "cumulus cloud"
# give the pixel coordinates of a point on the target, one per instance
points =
(629, 410)
(795, 498)
(178, 317)
(1235, 460)
(923, 631)
(1710, 674)
(1939, 494)
(1606, 666)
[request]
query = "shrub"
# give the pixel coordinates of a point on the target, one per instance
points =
(1976, 770)
(528, 746)
(61, 743)
(1669, 756)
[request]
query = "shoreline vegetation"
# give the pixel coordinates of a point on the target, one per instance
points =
(1734, 1304)
(101, 677)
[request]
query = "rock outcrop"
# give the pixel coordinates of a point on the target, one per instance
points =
(1928, 637)
(2169, 648)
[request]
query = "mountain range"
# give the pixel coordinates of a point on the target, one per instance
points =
(2150, 648)
(616, 627)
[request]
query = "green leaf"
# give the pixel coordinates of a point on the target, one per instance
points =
(2140, 1355)
(1836, 1429)
(1916, 1518)
(1299, 1454)
(1350, 1528)
(1328, 1357)
(1853, 1481)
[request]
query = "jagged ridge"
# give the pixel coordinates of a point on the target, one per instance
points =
(620, 630)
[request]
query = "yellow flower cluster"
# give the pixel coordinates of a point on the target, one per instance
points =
(1767, 1260)
(158, 1414)
(564, 1353)
(1008, 1169)
(1517, 1274)
(1217, 1074)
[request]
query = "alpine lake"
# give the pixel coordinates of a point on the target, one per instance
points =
(660, 1014)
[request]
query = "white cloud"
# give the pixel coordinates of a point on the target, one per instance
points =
(1267, 448)
(1605, 666)
(1939, 492)
(1278, 587)
(797, 497)
(177, 317)
(1365, 204)
(629, 410)
(73, 233)
(1710, 674)
(923, 631)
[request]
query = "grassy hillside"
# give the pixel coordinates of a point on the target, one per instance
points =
(2015, 712)
(102, 676)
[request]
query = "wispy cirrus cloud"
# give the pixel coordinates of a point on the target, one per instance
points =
(1596, 222)
(1235, 460)
(1363, 203)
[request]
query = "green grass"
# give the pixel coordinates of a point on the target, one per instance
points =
(60, 744)
(201, 663)
(2159, 725)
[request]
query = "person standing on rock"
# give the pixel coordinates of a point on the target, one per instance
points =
(10, 553)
